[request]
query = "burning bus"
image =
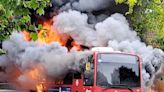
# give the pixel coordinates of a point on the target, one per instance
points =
(104, 71)
(30, 63)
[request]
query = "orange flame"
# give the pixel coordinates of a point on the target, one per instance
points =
(76, 46)
(26, 36)
(46, 36)
(36, 75)
(49, 34)
(39, 88)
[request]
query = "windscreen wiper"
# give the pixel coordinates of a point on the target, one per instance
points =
(119, 87)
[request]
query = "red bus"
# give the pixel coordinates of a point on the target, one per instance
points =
(105, 71)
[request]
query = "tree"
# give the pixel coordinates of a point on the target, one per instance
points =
(16, 15)
(130, 3)
(148, 21)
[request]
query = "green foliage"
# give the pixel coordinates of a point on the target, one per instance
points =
(2, 51)
(148, 21)
(40, 27)
(40, 11)
(15, 15)
(130, 3)
(160, 40)
(34, 35)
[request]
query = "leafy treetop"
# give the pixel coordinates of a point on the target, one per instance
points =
(15, 15)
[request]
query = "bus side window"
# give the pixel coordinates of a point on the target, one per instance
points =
(88, 78)
(68, 78)
(77, 75)
(89, 72)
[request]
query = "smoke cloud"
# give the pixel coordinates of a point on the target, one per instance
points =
(82, 5)
(113, 32)
(26, 56)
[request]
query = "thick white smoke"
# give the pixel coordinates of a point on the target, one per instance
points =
(90, 5)
(26, 56)
(114, 32)
(75, 24)
(82, 5)
(97, 10)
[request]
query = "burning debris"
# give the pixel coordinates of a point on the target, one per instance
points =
(67, 39)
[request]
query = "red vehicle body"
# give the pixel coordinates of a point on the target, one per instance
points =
(122, 72)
